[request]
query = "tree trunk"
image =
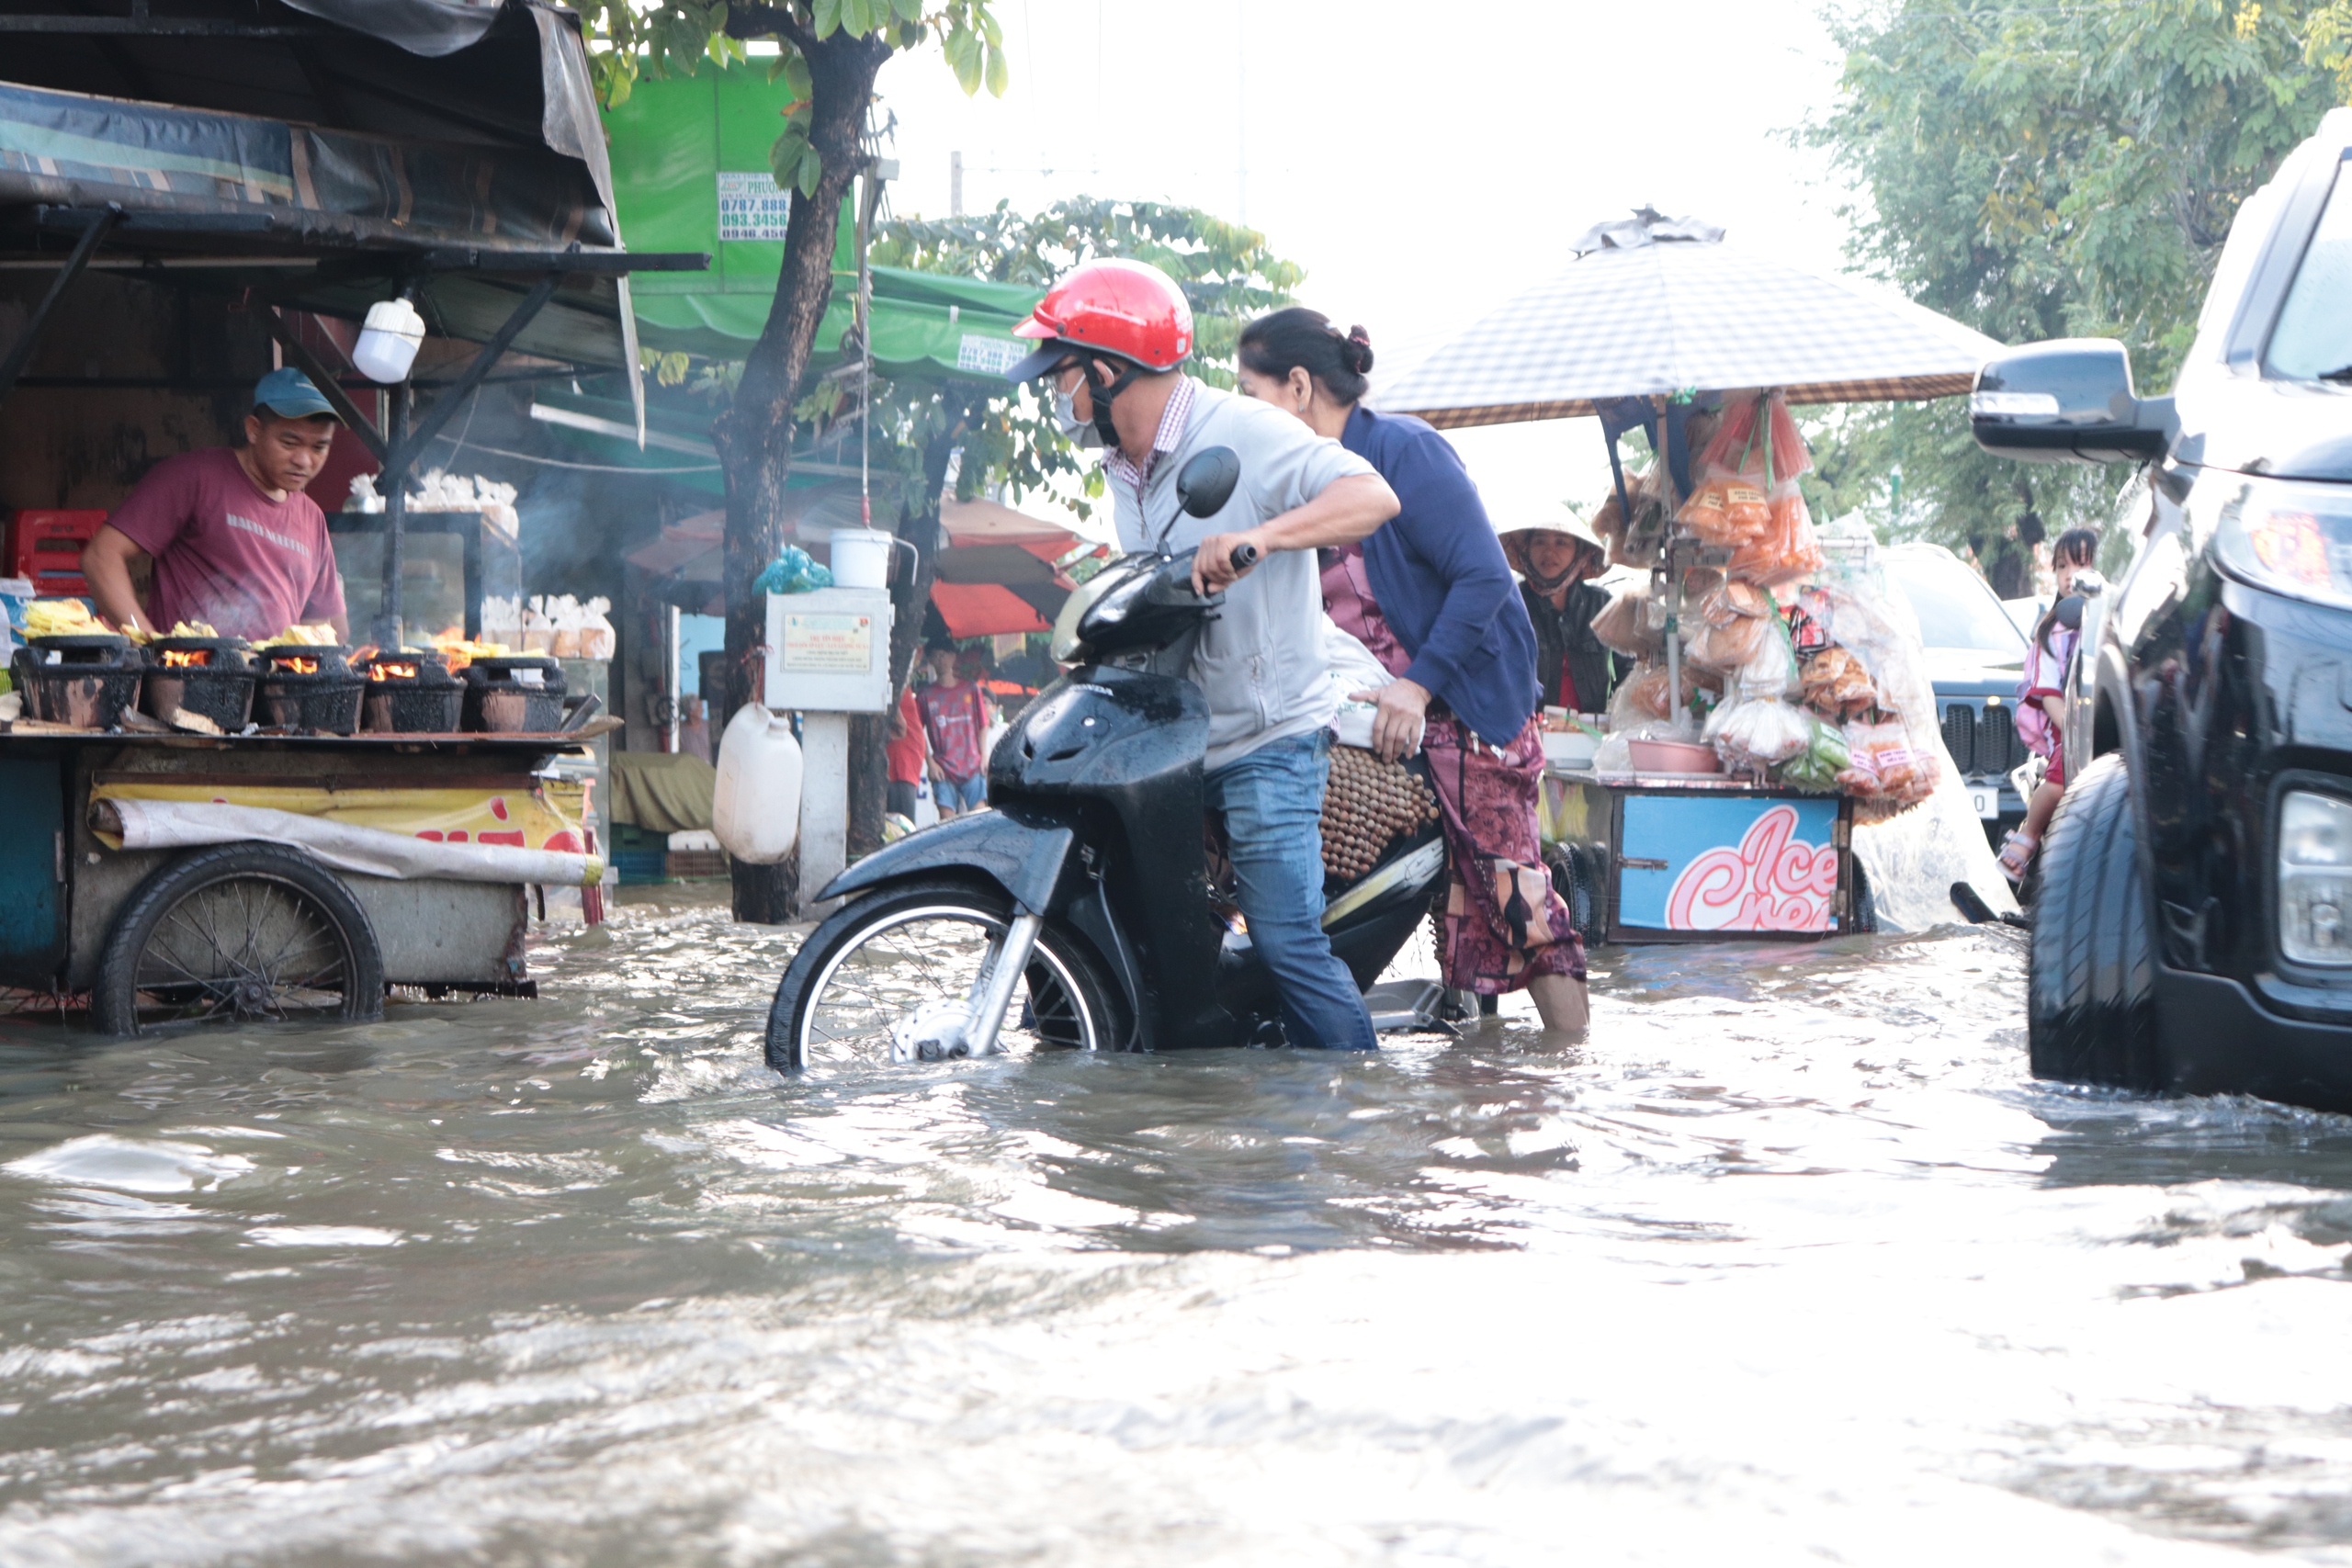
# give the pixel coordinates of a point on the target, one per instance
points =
(754, 438)
(869, 768)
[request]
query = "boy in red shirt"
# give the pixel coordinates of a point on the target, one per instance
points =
(234, 541)
(906, 752)
(955, 717)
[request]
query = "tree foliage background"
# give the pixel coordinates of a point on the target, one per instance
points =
(2041, 170)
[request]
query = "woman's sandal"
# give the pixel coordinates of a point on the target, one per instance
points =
(2017, 852)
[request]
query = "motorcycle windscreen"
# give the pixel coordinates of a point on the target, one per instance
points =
(1709, 864)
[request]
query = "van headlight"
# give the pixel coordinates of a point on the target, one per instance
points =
(2294, 538)
(2315, 879)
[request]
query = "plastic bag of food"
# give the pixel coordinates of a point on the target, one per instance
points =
(1727, 627)
(1608, 523)
(1643, 695)
(1643, 539)
(1624, 624)
(1883, 634)
(1755, 734)
(1824, 757)
(1883, 763)
(1786, 548)
(1836, 684)
(1772, 670)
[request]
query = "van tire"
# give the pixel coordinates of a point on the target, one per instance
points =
(2090, 973)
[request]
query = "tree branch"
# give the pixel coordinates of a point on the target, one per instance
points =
(754, 21)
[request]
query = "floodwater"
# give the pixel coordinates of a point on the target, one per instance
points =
(1791, 1262)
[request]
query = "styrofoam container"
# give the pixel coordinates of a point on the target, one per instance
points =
(861, 557)
(1569, 748)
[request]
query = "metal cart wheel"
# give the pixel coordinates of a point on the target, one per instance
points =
(238, 933)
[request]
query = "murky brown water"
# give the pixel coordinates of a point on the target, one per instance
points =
(1791, 1263)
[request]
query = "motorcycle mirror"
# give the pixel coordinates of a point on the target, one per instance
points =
(2089, 583)
(1205, 484)
(2070, 612)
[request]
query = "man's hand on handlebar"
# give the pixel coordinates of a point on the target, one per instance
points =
(1224, 559)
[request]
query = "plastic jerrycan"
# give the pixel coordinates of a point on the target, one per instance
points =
(755, 806)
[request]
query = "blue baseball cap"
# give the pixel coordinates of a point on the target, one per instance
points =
(289, 394)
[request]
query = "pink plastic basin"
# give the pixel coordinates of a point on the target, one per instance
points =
(1674, 756)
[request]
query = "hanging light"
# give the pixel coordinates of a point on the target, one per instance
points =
(389, 342)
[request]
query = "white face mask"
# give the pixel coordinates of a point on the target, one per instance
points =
(1066, 420)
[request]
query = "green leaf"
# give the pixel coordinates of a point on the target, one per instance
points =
(963, 58)
(784, 157)
(908, 10)
(828, 18)
(854, 21)
(812, 168)
(998, 76)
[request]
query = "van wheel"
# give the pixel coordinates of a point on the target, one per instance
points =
(2090, 986)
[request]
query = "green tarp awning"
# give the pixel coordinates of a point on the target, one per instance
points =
(690, 172)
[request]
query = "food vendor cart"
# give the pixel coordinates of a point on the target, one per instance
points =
(1758, 823)
(173, 876)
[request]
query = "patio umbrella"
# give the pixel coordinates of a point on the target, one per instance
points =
(1654, 307)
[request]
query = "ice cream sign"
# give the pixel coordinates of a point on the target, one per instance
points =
(1695, 863)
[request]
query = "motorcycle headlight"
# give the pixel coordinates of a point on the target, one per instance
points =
(1097, 604)
(2290, 537)
(2315, 877)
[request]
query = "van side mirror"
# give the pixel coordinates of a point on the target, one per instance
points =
(2068, 400)
(1206, 481)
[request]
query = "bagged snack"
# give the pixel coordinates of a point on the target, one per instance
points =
(1835, 685)
(1786, 548)
(1643, 696)
(1624, 624)
(1608, 523)
(1824, 757)
(1752, 735)
(1772, 670)
(1884, 762)
(1644, 534)
(1727, 629)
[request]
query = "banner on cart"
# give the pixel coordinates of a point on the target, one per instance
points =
(1695, 863)
(546, 817)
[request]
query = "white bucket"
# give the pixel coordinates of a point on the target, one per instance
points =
(861, 557)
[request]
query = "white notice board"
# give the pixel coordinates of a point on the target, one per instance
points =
(828, 651)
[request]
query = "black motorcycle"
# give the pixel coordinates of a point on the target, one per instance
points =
(1089, 883)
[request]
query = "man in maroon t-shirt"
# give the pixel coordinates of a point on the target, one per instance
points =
(234, 541)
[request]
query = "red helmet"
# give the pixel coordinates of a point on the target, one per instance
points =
(1128, 309)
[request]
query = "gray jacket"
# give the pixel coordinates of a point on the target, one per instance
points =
(1260, 662)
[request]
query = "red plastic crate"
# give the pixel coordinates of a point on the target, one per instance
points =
(46, 546)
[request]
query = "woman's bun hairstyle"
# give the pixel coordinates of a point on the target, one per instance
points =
(1297, 338)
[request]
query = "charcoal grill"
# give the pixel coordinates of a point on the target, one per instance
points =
(88, 681)
(211, 678)
(411, 692)
(308, 686)
(514, 695)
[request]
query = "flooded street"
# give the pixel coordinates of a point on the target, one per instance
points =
(1791, 1263)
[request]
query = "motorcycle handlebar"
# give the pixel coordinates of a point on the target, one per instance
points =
(1243, 557)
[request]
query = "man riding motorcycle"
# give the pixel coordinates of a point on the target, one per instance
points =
(1113, 333)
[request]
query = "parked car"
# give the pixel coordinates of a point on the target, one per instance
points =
(1975, 658)
(2194, 932)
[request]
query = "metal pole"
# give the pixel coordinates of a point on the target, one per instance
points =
(1664, 455)
(671, 656)
(387, 629)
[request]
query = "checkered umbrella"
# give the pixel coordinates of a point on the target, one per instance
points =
(1664, 314)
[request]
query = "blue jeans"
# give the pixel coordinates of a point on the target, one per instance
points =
(969, 795)
(1273, 802)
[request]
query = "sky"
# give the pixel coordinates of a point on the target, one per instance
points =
(1420, 170)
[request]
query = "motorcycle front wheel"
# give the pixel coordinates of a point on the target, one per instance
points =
(880, 960)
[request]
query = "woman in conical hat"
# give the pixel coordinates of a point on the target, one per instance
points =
(1557, 563)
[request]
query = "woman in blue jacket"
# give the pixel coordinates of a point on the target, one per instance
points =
(1431, 595)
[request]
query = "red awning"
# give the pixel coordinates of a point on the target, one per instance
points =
(985, 609)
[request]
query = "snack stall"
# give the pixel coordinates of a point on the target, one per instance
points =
(1778, 704)
(209, 828)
